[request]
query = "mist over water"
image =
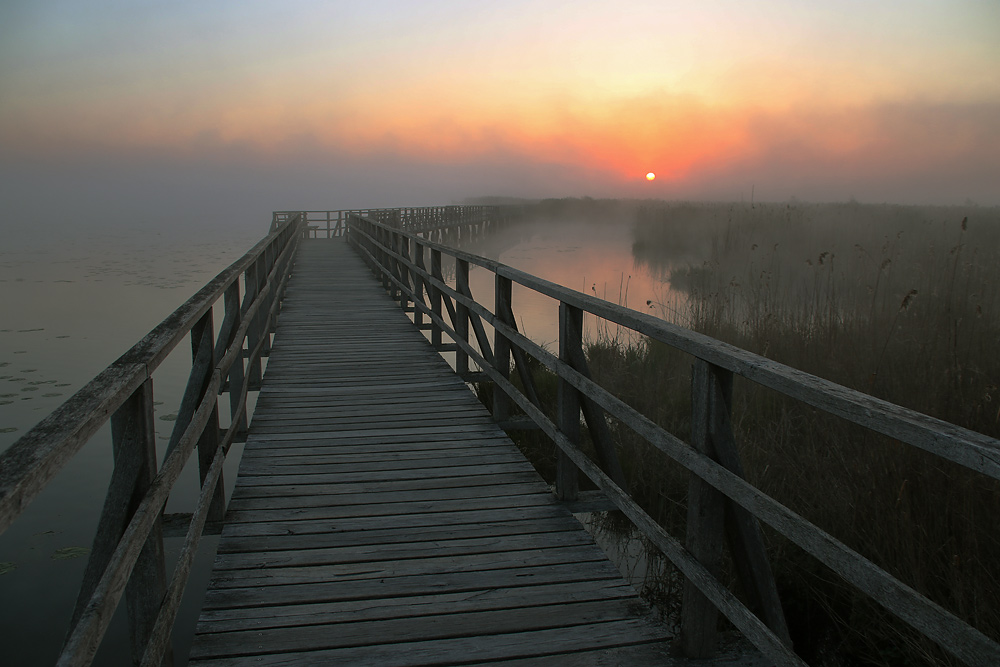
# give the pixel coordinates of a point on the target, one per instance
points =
(590, 253)
(78, 291)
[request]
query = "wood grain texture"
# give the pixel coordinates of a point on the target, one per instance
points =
(381, 517)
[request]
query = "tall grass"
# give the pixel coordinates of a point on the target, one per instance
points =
(898, 302)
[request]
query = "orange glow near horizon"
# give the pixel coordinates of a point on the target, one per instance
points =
(693, 91)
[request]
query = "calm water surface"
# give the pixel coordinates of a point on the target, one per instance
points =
(71, 302)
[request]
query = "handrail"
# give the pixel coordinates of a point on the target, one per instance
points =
(397, 258)
(443, 222)
(128, 556)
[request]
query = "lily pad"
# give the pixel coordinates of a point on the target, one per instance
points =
(69, 552)
(51, 395)
(169, 418)
(8, 429)
(7, 566)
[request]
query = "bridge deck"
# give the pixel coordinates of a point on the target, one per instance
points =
(380, 516)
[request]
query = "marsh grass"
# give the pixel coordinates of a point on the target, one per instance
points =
(897, 302)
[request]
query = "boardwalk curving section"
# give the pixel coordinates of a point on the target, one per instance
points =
(381, 517)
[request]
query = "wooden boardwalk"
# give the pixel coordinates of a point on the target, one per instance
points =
(380, 517)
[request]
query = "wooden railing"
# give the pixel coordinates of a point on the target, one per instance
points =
(452, 224)
(400, 260)
(127, 556)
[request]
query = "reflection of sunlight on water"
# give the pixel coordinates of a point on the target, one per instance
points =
(592, 258)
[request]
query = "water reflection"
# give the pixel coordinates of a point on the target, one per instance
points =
(73, 301)
(590, 256)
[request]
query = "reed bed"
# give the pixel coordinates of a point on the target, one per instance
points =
(898, 302)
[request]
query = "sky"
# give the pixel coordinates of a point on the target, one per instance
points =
(137, 105)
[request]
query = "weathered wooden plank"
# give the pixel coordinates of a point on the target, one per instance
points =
(466, 650)
(312, 499)
(276, 616)
(376, 498)
(422, 451)
(405, 586)
(348, 524)
(349, 574)
(337, 511)
(262, 466)
(420, 628)
(371, 553)
(470, 482)
(392, 535)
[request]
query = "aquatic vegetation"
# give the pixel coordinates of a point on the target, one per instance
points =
(898, 302)
(66, 553)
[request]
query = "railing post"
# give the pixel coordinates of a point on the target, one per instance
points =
(501, 348)
(381, 236)
(133, 431)
(270, 257)
(237, 376)
(252, 280)
(392, 244)
(436, 296)
(570, 339)
(417, 258)
(202, 335)
(133, 445)
(462, 317)
(403, 250)
(705, 521)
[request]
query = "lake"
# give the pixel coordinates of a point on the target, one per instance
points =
(74, 299)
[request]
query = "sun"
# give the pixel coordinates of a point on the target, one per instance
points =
(650, 176)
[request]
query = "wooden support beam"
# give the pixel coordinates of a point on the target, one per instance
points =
(237, 374)
(208, 443)
(461, 319)
(705, 527)
(567, 474)
(597, 423)
(742, 528)
(506, 315)
(501, 348)
(436, 296)
(133, 434)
